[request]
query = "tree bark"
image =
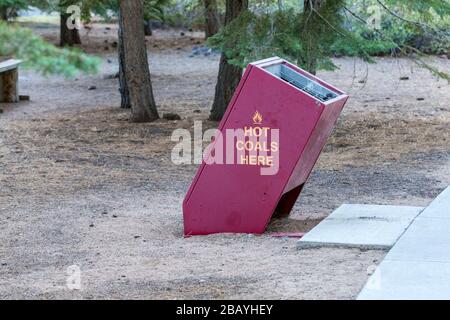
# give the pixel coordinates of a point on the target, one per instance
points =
(229, 75)
(4, 13)
(309, 42)
(68, 37)
(212, 21)
(124, 93)
(148, 28)
(8, 86)
(136, 68)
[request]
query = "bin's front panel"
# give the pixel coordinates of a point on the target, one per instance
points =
(237, 197)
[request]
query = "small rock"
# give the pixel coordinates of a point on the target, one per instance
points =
(106, 48)
(362, 81)
(91, 225)
(203, 50)
(420, 99)
(111, 76)
(1, 111)
(404, 78)
(4, 264)
(137, 237)
(24, 97)
(182, 34)
(104, 212)
(92, 88)
(197, 111)
(107, 28)
(114, 216)
(171, 116)
(114, 44)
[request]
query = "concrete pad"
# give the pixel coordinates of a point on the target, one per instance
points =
(427, 239)
(408, 280)
(418, 266)
(364, 226)
(439, 207)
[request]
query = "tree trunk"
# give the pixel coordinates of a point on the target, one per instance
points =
(124, 93)
(68, 37)
(212, 22)
(148, 28)
(229, 75)
(8, 86)
(308, 40)
(136, 69)
(4, 13)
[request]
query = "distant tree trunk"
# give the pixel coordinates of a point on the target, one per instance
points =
(68, 37)
(8, 86)
(124, 93)
(229, 75)
(310, 44)
(212, 22)
(4, 13)
(136, 69)
(148, 28)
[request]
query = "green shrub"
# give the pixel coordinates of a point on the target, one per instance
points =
(42, 56)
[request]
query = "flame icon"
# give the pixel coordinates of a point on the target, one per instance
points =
(257, 118)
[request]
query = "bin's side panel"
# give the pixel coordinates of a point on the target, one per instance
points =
(236, 197)
(316, 143)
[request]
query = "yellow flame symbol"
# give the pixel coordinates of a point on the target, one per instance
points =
(257, 118)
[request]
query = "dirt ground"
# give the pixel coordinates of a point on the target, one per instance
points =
(80, 185)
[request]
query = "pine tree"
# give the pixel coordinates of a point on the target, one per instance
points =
(229, 75)
(136, 69)
(312, 34)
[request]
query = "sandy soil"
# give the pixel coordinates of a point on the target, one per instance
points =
(80, 185)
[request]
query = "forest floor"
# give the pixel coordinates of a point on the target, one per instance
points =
(80, 185)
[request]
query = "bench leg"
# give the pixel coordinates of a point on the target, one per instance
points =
(8, 86)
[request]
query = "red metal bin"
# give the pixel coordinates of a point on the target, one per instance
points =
(293, 112)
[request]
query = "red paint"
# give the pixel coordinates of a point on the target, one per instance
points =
(287, 234)
(236, 198)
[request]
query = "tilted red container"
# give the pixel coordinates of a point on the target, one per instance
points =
(284, 99)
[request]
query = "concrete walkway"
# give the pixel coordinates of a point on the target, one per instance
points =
(362, 226)
(418, 265)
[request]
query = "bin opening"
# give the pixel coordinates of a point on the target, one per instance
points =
(298, 80)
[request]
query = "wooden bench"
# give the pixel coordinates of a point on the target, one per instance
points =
(9, 78)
